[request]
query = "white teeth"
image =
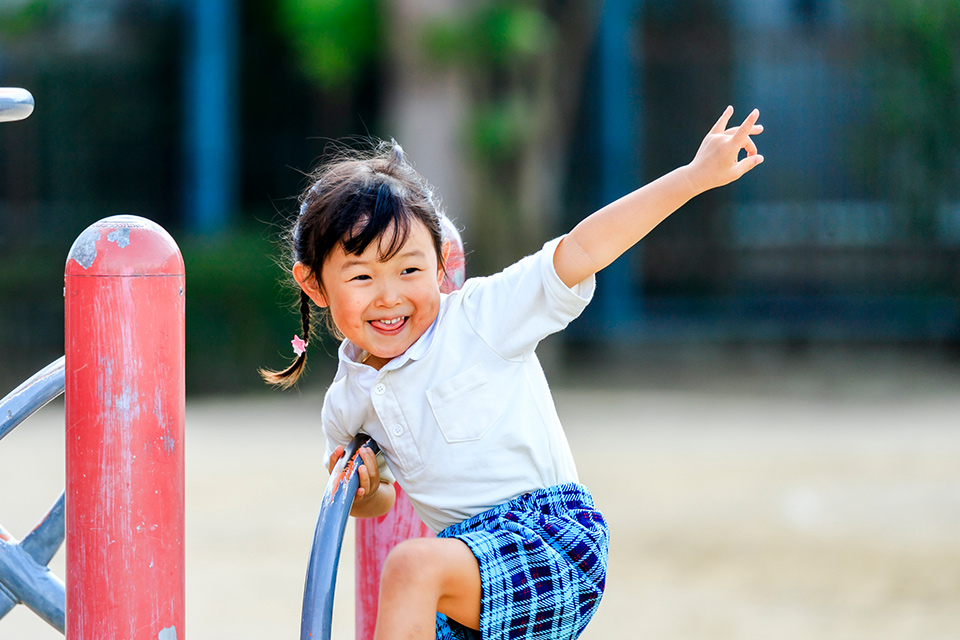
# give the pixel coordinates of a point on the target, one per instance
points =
(390, 322)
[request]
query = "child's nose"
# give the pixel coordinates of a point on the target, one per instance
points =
(387, 295)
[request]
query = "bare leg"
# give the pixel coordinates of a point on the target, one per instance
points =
(421, 577)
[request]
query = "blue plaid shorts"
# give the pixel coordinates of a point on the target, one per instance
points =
(543, 565)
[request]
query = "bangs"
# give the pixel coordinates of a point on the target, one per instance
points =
(376, 214)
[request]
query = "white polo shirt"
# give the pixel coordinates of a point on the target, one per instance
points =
(464, 417)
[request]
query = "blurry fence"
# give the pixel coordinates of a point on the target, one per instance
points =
(851, 229)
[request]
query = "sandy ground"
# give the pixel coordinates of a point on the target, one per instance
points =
(757, 501)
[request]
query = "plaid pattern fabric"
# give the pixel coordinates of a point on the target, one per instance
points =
(543, 565)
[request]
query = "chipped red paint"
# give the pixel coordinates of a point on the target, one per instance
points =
(345, 473)
(124, 312)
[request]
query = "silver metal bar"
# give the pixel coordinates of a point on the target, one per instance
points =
(30, 583)
(43, 542)
(15, 104)
(34, 393)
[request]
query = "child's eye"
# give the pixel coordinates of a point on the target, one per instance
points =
(409, 270)
(361, 277)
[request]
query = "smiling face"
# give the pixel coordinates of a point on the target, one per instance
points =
(382, 306)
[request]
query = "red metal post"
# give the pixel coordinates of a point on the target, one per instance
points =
(124, 295)
(375, 537)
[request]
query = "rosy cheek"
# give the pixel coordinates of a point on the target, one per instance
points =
(342, 309)
(356, 310)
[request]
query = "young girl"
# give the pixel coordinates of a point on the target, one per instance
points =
(450, 388)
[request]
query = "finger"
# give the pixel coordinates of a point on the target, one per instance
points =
(743, 131)
(748, 163)
(750, 147)
(757, 129)
(722, 122)
(364, 486)
(370, 464)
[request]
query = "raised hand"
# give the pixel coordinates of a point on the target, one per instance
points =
(603, 236)
(718, 159)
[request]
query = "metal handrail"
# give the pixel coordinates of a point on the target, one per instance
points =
(317, 617)
(15, 104)
(24, 577)
(32, 395)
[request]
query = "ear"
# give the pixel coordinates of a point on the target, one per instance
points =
(309, 284)
(445, 252)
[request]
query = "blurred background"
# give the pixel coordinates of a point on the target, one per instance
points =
(527, 116)
(776, 366)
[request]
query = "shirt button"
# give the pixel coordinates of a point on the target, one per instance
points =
(380, 389)
(397, 430)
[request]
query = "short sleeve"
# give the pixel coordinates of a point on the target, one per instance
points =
(334, 436)
(512, 311)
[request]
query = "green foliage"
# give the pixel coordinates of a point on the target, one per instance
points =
(920, 47)
(497, 45)
(239, 311)
(494, 34)
(336, 40)
(19, 20)
(496, 130)
(916, 62)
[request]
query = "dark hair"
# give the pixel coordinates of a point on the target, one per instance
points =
(352, 203)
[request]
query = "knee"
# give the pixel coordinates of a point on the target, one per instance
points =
(411, 562)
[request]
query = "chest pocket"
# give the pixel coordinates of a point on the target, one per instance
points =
(464, 405)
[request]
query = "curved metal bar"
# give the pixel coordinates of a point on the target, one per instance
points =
(24, 576)
(15, 104)
(315, 622)
(30, 583)
(34, 393)
(43, 542)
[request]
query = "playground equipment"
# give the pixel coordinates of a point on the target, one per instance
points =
(125, 396)
(15, 104)
(317, 618)
(123, 374)
(122, 511)
(24, 576)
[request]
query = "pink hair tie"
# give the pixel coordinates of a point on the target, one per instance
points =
(299, 346)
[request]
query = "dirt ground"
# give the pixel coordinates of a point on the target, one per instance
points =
(811, 498)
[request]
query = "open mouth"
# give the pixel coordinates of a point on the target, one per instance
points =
(389, 325)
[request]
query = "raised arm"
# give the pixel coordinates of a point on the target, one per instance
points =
(603, 236)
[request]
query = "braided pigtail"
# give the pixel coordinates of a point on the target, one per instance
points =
(289, 376)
